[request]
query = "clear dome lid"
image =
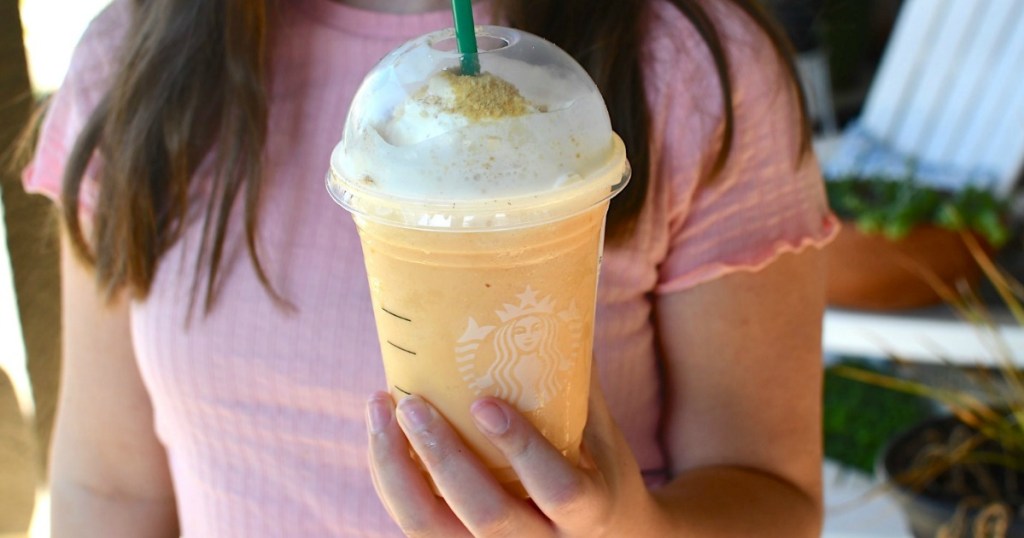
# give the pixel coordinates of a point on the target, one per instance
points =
(527, 140)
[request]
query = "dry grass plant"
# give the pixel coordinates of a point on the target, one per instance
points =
(992, 434)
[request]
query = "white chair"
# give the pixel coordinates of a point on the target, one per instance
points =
(948, 101)
(948, 97)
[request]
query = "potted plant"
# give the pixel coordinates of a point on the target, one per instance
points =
(962, 475)
(901, 240)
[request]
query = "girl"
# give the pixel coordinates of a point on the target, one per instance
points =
(219, 341)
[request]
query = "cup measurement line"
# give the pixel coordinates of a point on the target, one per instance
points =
(409, 351)
(403, 318)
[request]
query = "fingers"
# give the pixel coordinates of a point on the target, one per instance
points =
(564, 493)
(473, 494)
(399, 481)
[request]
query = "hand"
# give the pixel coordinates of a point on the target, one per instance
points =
(603, 496)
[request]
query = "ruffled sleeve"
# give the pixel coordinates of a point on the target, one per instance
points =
(68, 110)
(768, 199)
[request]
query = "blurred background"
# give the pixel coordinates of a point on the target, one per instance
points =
(866, 84)
(44, 31)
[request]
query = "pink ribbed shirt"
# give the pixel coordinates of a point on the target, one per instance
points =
(261, 408)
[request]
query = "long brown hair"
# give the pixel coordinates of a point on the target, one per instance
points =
(610, 46)
(192, 80)
(192, 77)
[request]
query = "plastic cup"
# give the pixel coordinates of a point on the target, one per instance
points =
(481, 217)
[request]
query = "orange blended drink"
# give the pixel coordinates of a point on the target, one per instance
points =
(480, 202)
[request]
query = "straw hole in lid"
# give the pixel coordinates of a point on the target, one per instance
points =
(484, 43)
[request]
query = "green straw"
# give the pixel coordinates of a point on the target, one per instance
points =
(465, 36)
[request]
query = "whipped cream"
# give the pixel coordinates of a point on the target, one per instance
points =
(429, 147)
(528, 139)
(449, 102)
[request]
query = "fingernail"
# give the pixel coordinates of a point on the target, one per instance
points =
(490, 416)
(414, 413)
(378, 414)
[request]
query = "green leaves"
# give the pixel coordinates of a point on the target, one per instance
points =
(894, 206)
(861, 418)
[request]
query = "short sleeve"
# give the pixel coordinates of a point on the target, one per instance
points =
(768, 199)
(68, 110)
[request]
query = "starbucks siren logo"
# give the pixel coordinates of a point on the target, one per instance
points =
(521, 359)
